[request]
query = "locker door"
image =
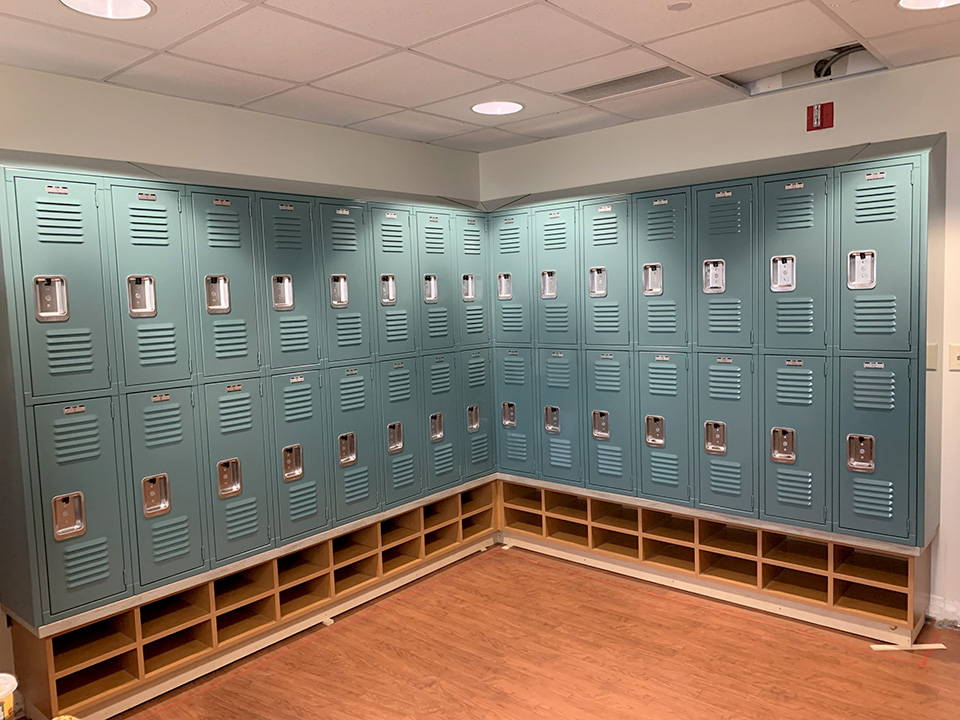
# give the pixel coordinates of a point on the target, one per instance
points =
(517, 414)
(663, 270)
(165, 483)
(473, 271)
(605, 272)
(513, 290)
(876, 259)
(664, 426)
(300, 460)
(793, 438)
(63, 285)
(346, 267)
(83, 532)
(609, 420)
(236, 468)
(724, 266)
(397, 289)
(561, 418)
(555, 280)
(291, 282)
(794, 273)
(477, 412)
(151, 283)
(727, 433)
(226, 282)
(401, 433)
(442, 420)
(354, 441)
(439, 292)
(874, 440)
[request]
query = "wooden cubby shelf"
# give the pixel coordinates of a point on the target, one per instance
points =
(728, 539)
(522, 496)
(244, 620)
(667, 526)
(479, 498)
(243, 587)
(357, 544)
(401, 556)
(570, 507)
(438, 540)
(615, 542)
(477, 523)
(77, 649)
(870, 567)
(791, 551)
(523, 521)
(174, 650)
(350, 577)
(305, 596)
(870, 600)
(108, 676)
(667, 554)
(401, 528)
(174, 613)
(624, 518)
(441, 512)
(567, 531)
(303, 565)
(728, 568)
(796, 583)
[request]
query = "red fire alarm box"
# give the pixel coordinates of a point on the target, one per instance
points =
(820, 116)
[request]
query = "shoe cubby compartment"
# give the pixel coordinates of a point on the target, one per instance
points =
(796, 584)
(667, 526)
(352, 576)
(243, 587)
(441, 512)
(97, 681)
(791, 551)
(522, 496)
(870, 600)
(615, 543)
(870, 567)
(355, 545)
(671, 555)
(729, 539)
(567, 531)
(303, 564)
(401, 528)
(305, 596)
(615, 516)
(440, 539)
(245, 620)
(477, 523)
(567, 506)
(174, 613)
(181, 647)
(523, 521)
(479, 498)
(729, 568)
(92, 643)
(400, 556)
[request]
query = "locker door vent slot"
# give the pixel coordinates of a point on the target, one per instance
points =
(229, 478)
(473, 418)
(431, 289)
(783, 273)
(50, 299)
(282, 286)
(292, 460)
(436, 427)
(654, 430)
(548, 285)
(394, 438)
(715, 437)
(862, 270)
(469, 288)
(142, 296)
(861, 453)
(69, 516)
(339, 292)
(156, 495)
(600, 425)
(388, 290)
(551, 419)
(783, 445)
(714, 276)
(217, 289)
(347, 448)
(597, 282)
(652, 279)
(505, 286)
(508, 414)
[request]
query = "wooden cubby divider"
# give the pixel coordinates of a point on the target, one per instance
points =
(356, 545)
(570, 507)
(441, 512)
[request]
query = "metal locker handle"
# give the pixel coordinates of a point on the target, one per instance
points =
(394, 438)
(551, 419)
(504, 286)
(654, 430)
(861, 453)
(783, 445)
(652, 279)
(436, 427)
(50, 298)
(783, 273)
(714, 276)
(548, 285)
(431, 288)
(156, 495)
(862, 269)
(141, 296)
(217, 291)
(469, 288)
(69, 516)
(229, 478)
(597, 282)
(600, 424)
(282, 286)
(508, 414)
(388, 290)
(339, 292)
(473, 418)
(347, 445)
(715, 437)
(291, 459)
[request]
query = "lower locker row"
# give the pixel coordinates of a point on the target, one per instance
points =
(226, 470)
(808, 440)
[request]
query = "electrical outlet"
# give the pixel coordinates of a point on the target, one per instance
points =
(954, 359)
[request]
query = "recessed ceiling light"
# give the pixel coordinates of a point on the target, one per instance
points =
(927, 4)
(678, 5)
(112, 9)
(497, 107)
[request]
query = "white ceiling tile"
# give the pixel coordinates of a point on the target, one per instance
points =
(589, 72)
(881, 17)
(568, 122)
(484, 140)
(272, 43)
(190, 79)
(525, 42)
(40, 47)
(172, 20)
(400, 22)
(413, 125)
(672, 99)
(309, 103)
(644, 20)
(922, 44)
(765, 37)
(405, 79)
(534, 103)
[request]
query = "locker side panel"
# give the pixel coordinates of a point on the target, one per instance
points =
(512, 276)
(609, 421)
(438, 288)
(442, 420)
(397, 291)
(663, 430)
(517, 414)
(477, 412)
(605, 272)
(561, 419)
(354, 440)
(401, 430)
(556, 278)
(473, 257)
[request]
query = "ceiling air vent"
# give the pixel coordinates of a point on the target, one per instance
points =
(629, 84)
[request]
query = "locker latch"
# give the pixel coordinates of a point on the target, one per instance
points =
(548, 285)
(431, 289)
(50, 298)
(862, 269)
(597, 282)
(469, 288)
(508, 414)
(339, 293)
(715, 437)
(156, 495)
(436, 427)
(69, 516)
(229, 478)
(394, 438)
(291, 458)
(783, 445)
(714, 276)
(282, 286)
(504, 286)
(783, 273)
(142, 296)
(861, 453)
(217, 290)
(600, 425)
(347, 447)
(551, 419)
(652, 279)
(654, 430)
(388, 289)
(473, 418)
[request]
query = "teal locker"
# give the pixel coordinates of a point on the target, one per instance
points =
(236, 468)
(81, 508)
(795, 251)
(561, 421)
(609, 419)
(300, 455)
(725, 266)
(401, 429)
(555, 281)
(517, 412)
(346, 267)
(355, 441)
(513, 289)
(794, 438)
(397, 289)
(666, 468)
(64, 295)
(152, 285)
(223, 238)
(727, 432)
(473, 269)
(876, 446)
(291, 281)
(165, 484)
(663, 271)
(877, 259)
(439, 291)
(477, 412)
(606, 272)
(442, 420)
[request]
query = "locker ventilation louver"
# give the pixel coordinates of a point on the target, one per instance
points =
(556, 319)
(399, 385)
(794, 386)
(604, 230)
(874, 390)
(795, 212)
(725, 382)
(443, 458)
(69, 351)
(606, 317)
(725, 218)
(479, 449)
(349, 329)
(76, 438)
(295, 334)
(297, 403)
(471, 241)
(795, 316)
(726, 478)
(356, 484)
(288, 232)
(516, 447)
(875, 203)
(794, 487)
(512, 318)
(662, 316)
(434, 240)
(558, 373)
(875, 315)
(555, 236)
(560, 452)
(392, 237)
(438, 322)
(608, 376)
(441, 379)
(148, 224)
(303, 501)
(170, 539)
(514, 371)
(661, 224)
(230, 339)
(353, 393)
(156, 344)
(402, 471)
(343, 235)
(610, 460)
(663, 379)
(223, 228)
(475, 320)
(665, 469)
(87, 562)
(476, 372)
(396, 325)
(509, 240)
(235, 412)
(162, 425)
(242, 518)
(59, 221)
(725, 316)
(873, 498)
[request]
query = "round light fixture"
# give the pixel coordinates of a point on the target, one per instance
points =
(679, 5)
(497, 107)
(112, 9)
(927, 4)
